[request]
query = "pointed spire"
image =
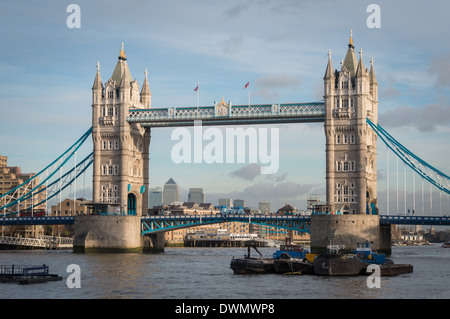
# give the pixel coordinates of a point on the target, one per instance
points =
(126, 78)
(145, 85)
(329, 74)
(98, 79)
(360, 68)
(350, 61)
(373, 80)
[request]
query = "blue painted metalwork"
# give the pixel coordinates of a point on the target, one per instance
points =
(156, 224)
(29, 189)
(427, 171)
(237, 114)
(415, 220)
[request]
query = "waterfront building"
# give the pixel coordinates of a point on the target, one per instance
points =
(171, 192)
(264, 207)
(196, 195)
(69, 207)
(155, 197)
(228, 202)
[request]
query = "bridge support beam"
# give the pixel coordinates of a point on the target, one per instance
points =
(347, 230)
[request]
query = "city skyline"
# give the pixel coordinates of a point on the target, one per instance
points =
(48, 70)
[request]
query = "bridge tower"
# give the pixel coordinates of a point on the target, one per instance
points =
(121, 149)
(121, 172)
(350, 96)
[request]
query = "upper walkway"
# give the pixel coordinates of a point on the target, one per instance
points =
(227, 114)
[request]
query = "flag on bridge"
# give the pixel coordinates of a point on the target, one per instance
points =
(196, 89)
(246, 86)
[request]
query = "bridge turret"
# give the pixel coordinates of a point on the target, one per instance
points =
(97, 88)
(146, 95)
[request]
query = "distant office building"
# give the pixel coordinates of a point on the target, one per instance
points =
(155, 197)
(228, 202)
(196, 195)
(239, 203)
(171, 192)
(264, 207)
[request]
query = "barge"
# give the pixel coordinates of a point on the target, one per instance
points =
(251, 265)
(26, 274)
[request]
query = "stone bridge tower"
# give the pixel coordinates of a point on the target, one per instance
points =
(351, 96)
(121, 150)
(120, 174)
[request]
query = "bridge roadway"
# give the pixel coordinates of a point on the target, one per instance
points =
(162, 223)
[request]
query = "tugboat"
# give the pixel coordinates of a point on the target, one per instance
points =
(446, 245)
(387, 267)
(250, 265)
(366, 254)
(336, 263)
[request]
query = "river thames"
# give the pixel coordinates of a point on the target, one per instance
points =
(204, 273)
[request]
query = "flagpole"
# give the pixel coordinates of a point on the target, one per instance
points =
(249, 95)
(198, 93)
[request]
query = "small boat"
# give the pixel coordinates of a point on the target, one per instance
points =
(366, 254)
(251, 265)
(286, 264)
(335, 263)
(446, 245)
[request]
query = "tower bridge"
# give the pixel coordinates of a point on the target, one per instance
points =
(123, 116)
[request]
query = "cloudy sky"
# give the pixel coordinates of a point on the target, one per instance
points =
(47, 70)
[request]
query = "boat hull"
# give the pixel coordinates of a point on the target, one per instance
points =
(336, 265)
(283, 266)
(252, 265)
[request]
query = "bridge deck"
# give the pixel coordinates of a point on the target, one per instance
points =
(283, 221)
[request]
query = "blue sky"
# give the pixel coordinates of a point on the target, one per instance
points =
(47, 71)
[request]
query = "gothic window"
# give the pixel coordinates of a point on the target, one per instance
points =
(345, 84)
(345, 103)
(338, 139)
(339, 166)
(116, 171)
(352, 139)
(110, 170)
(110, 111)
(103, 145)
(116, 144)
(345, 139)
(345, 166)
(111, 94)
(104, 170)
(103, 111)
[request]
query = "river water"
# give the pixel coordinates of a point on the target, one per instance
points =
(204, 273)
